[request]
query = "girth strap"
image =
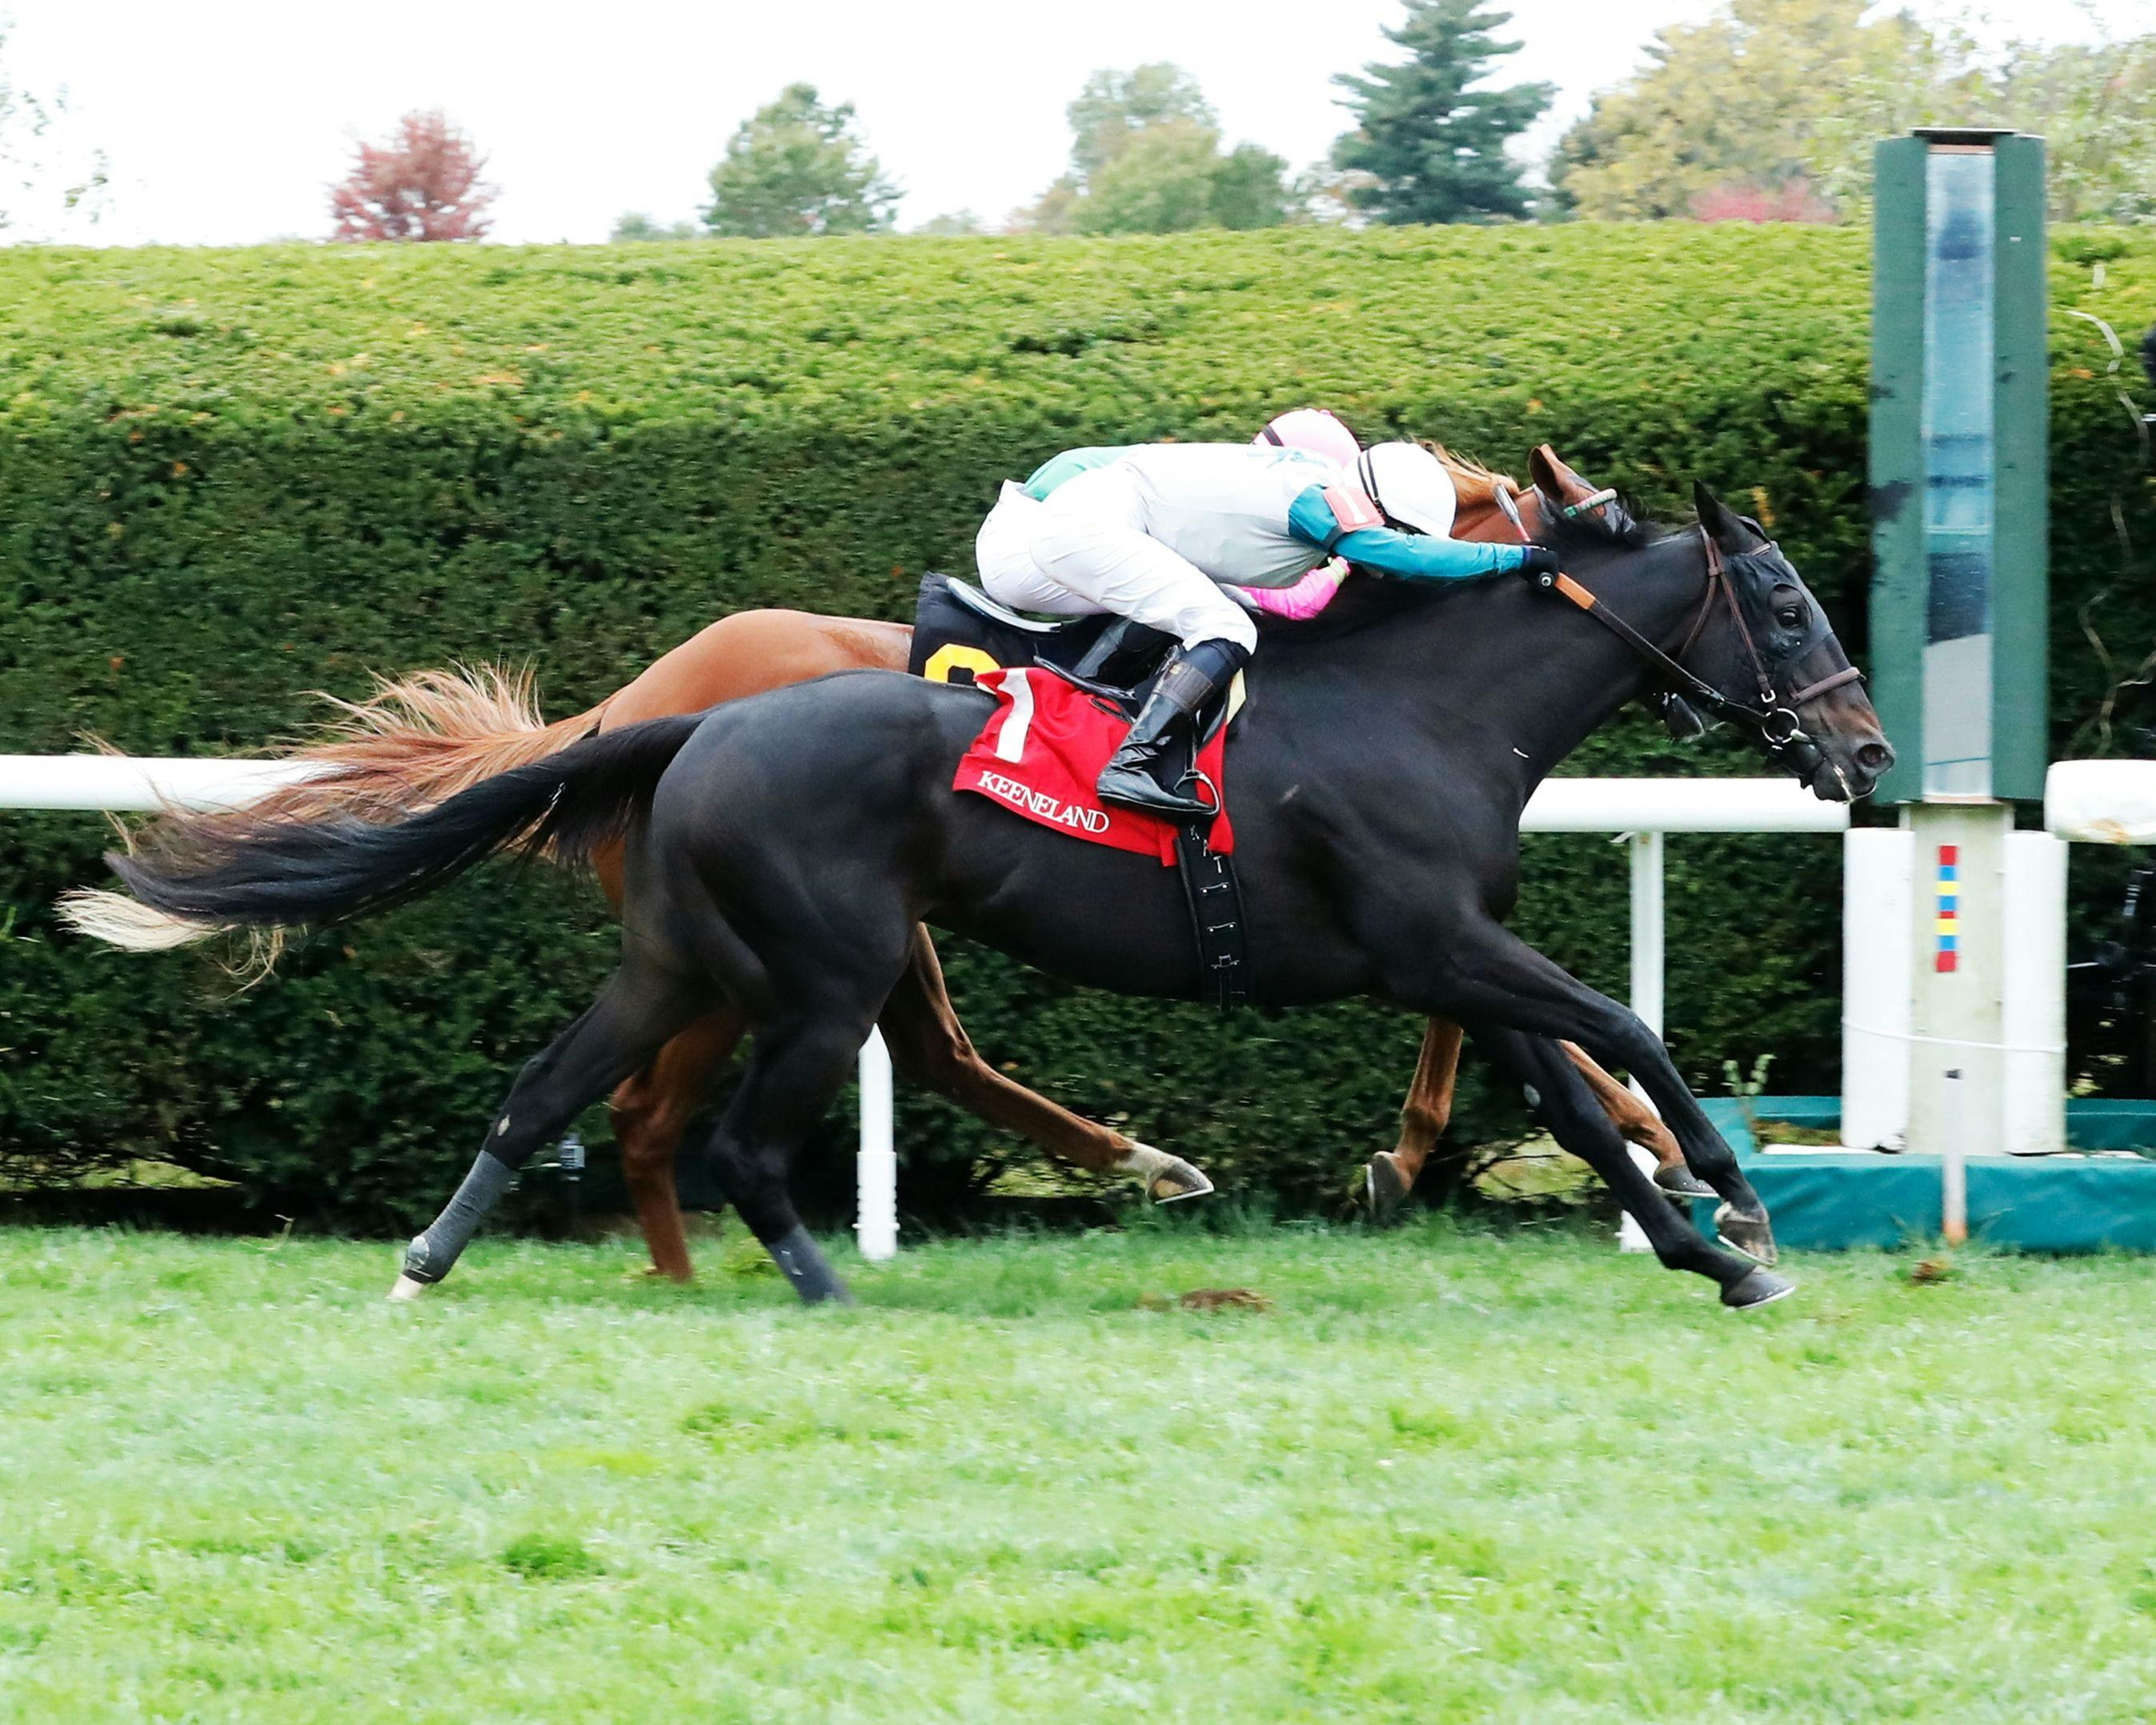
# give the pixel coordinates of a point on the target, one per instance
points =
(1215, 897)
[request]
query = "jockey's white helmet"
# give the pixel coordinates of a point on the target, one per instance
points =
(1410, 485)
(1315, 432)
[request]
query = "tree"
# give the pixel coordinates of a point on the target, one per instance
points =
(1792, 201)
(957, 221)
(421, 183)
(1251, 189)
(1114, 107)
(798, 167)
(1786, 98)
(1431, 142)
(2095, 109)
(30, 157)
(1146, 158)
(1766, 95)
(637, 225)
(1160, 182)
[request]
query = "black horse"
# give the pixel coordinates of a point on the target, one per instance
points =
(782, 849)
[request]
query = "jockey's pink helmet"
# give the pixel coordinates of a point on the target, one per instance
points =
(1315, 432)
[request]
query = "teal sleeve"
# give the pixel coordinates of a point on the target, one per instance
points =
(1052, 472)
(1310, 519)
(1421, 557)
(1410, 556)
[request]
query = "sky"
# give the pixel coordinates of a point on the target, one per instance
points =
(225, 122)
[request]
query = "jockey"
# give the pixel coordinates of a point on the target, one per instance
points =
(1003, 550)
(1155, 532)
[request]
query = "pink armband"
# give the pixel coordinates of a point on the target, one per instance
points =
(1304, 600)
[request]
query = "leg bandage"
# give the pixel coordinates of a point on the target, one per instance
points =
(807, 1268)
(432, 1255)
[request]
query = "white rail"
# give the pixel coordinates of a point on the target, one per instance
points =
(122, 784)
(1679, 805)
(1644, 810)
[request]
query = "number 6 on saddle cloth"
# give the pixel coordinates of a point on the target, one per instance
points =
(1067, 694)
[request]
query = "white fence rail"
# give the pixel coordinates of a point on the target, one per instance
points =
(121, 785)
(1644, 810)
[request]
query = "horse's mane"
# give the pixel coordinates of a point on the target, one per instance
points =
(1475, 484)
(1562, 533)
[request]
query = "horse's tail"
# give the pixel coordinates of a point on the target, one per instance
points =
(416, 740)
(422, 738)
(327, 868)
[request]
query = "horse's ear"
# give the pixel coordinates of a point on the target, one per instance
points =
(1554, 478)
(1547, 471)
(1728, 530)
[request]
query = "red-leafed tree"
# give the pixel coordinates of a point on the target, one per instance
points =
(422, 183)
(1740, 201)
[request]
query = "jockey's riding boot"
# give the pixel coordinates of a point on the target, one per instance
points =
(1137, 774)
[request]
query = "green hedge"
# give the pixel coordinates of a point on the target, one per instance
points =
(228, 478)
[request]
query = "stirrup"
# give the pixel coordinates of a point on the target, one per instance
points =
(1168, 804)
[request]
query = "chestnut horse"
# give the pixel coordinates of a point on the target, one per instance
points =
(425, 737)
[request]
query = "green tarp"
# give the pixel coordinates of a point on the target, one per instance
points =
(1824, 1200)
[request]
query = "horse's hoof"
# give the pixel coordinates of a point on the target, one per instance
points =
(1174, 1180)
(1752, 1236)
(407, 1289)
(806, 1267)
(1384, 1187)
(1759, 1287)
(1164, 1179)
(1680, 1182)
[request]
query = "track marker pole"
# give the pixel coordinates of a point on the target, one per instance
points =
(1646, 852)
(875, 1167)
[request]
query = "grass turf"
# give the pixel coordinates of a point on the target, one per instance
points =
(1449, 1474)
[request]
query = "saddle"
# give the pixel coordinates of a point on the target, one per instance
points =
(959, 631)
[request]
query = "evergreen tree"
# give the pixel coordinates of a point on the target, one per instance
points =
(1431, 144)
(798, 167)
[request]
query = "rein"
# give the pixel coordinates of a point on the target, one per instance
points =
(1774, 720)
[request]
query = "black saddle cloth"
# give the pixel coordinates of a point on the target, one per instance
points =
(958, 629)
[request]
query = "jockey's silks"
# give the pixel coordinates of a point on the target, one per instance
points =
(1259, 517)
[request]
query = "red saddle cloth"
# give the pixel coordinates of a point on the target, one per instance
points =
(1046, 744)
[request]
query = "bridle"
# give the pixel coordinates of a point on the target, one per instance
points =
(1773, 720)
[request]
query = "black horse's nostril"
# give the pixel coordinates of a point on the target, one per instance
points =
(1875, 758)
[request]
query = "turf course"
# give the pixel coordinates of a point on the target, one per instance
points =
(1449, 1474)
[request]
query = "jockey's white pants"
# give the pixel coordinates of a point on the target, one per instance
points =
(1085, 550)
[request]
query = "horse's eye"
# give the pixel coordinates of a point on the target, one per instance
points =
(1789, 617)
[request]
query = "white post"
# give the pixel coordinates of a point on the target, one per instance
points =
(1646, 849)
(1647, 962)
(2034, 1019)
(1878, 985)
(1954, 1164)
(875, 1167)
